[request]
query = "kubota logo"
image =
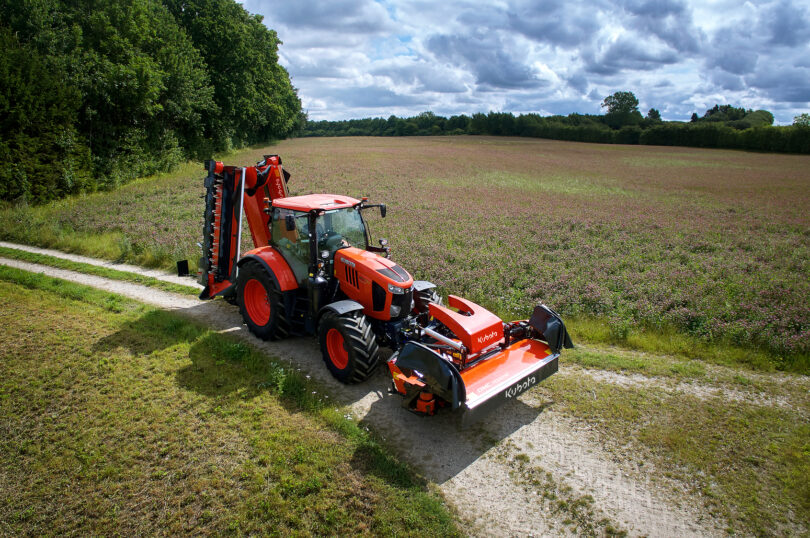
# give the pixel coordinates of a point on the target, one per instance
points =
(487, 337)
(520, 387)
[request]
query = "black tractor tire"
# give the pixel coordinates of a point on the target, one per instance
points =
(349, 347)
(260, 302)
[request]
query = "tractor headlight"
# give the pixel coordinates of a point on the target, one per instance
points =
(395, 310)
(396, 290)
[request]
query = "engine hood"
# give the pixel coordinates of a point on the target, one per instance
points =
(390, 271)
(380, 285)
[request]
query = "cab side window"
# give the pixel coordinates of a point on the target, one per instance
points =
(293, 244)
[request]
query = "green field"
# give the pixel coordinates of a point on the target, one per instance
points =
(699, 253)
(118, 418)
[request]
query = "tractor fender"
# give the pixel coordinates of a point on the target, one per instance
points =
(278, 269)
(340, 307)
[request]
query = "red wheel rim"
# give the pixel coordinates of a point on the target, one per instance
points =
(257, 303)
(336, 347)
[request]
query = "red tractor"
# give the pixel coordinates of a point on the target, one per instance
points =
(314, 271)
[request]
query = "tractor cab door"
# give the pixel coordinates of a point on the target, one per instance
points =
(292, 244)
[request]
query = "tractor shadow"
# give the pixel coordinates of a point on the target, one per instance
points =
(230, 368)
(438, 446)
(154, 331)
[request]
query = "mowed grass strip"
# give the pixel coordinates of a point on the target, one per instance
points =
(89, 269)
(749, 463)
(118, 418)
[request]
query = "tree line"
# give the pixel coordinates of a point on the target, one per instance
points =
(723, 126)
(96, 92)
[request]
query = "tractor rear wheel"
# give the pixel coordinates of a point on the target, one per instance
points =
(349, 346)
(260, 302)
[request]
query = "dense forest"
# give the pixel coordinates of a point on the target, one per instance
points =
(723, 126)
(96, 92)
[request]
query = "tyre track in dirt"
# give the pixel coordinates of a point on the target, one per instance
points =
(485, 472)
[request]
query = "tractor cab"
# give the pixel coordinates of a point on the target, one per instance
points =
(308, 230)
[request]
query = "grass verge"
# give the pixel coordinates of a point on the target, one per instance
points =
(682, 346)
(145, 423)
(749, 463)
(88, 269)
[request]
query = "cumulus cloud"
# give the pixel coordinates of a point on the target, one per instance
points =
(491, 58)
(375, 97)
(789, 24)
(359, 58)
(629, 53)
(356, 16)
(668, 20)
(420, 75)
(556, 22)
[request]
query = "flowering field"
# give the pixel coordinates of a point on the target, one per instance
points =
(712, 243)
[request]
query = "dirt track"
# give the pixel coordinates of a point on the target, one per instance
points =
(488, 474)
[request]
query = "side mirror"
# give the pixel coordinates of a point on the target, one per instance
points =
(382, 210)
(289, 222)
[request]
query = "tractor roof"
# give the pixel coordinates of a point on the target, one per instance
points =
(315, 201)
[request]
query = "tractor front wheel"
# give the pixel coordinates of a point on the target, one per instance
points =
(349, 346)
(260, 302)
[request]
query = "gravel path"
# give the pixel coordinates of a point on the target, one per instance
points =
(482, 472)
(153, 273)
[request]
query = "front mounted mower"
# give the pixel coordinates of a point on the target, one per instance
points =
(314, 271)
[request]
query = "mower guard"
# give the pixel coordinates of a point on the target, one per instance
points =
(504, 376)
(487, 384)
(437, 373)
(551, 328)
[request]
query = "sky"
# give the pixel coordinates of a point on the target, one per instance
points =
(374, 58)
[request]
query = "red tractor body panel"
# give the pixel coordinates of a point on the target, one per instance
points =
(278, 265)
(475, 326)
(358, 270)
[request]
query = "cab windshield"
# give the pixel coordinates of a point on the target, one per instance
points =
(341, 228)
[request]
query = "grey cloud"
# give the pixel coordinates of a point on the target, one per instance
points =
(788, 24)
(669, 20)
(736, 61)
(733, 50)
(629, 54)
(655, 8)
(493, 63)
(579, 82)
(313, 66)
(423, 75)
(361, 16)
(781, 82)
(374, 96)
(595, 95)
(557, 23)
(728, 81)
